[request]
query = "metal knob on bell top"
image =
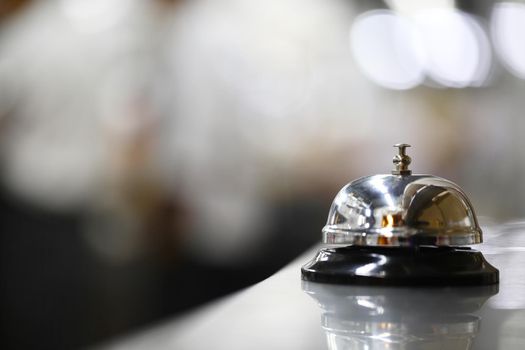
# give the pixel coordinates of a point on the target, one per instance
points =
(401, 160)
(401, 228)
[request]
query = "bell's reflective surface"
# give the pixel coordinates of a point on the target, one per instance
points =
(402, 210)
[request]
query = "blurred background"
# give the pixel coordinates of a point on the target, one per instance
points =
(157, 154)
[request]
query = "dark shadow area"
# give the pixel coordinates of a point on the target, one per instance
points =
(56, 294)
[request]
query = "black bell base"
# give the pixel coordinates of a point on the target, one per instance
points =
(401, 266)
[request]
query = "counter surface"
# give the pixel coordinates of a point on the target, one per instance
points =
(284, 312)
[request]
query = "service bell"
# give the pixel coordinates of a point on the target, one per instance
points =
(401, 229)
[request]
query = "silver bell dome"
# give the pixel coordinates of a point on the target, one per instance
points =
(401, 209)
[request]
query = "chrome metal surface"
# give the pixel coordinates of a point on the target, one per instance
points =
(402, 210)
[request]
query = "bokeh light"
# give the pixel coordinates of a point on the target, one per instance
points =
(388, 49)
(508, 28)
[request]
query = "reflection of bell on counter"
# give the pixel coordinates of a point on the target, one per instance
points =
(399, 318)
(401, 229)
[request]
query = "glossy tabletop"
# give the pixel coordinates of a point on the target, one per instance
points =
(284, 312)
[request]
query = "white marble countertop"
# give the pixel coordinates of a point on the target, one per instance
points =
(284, 312)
